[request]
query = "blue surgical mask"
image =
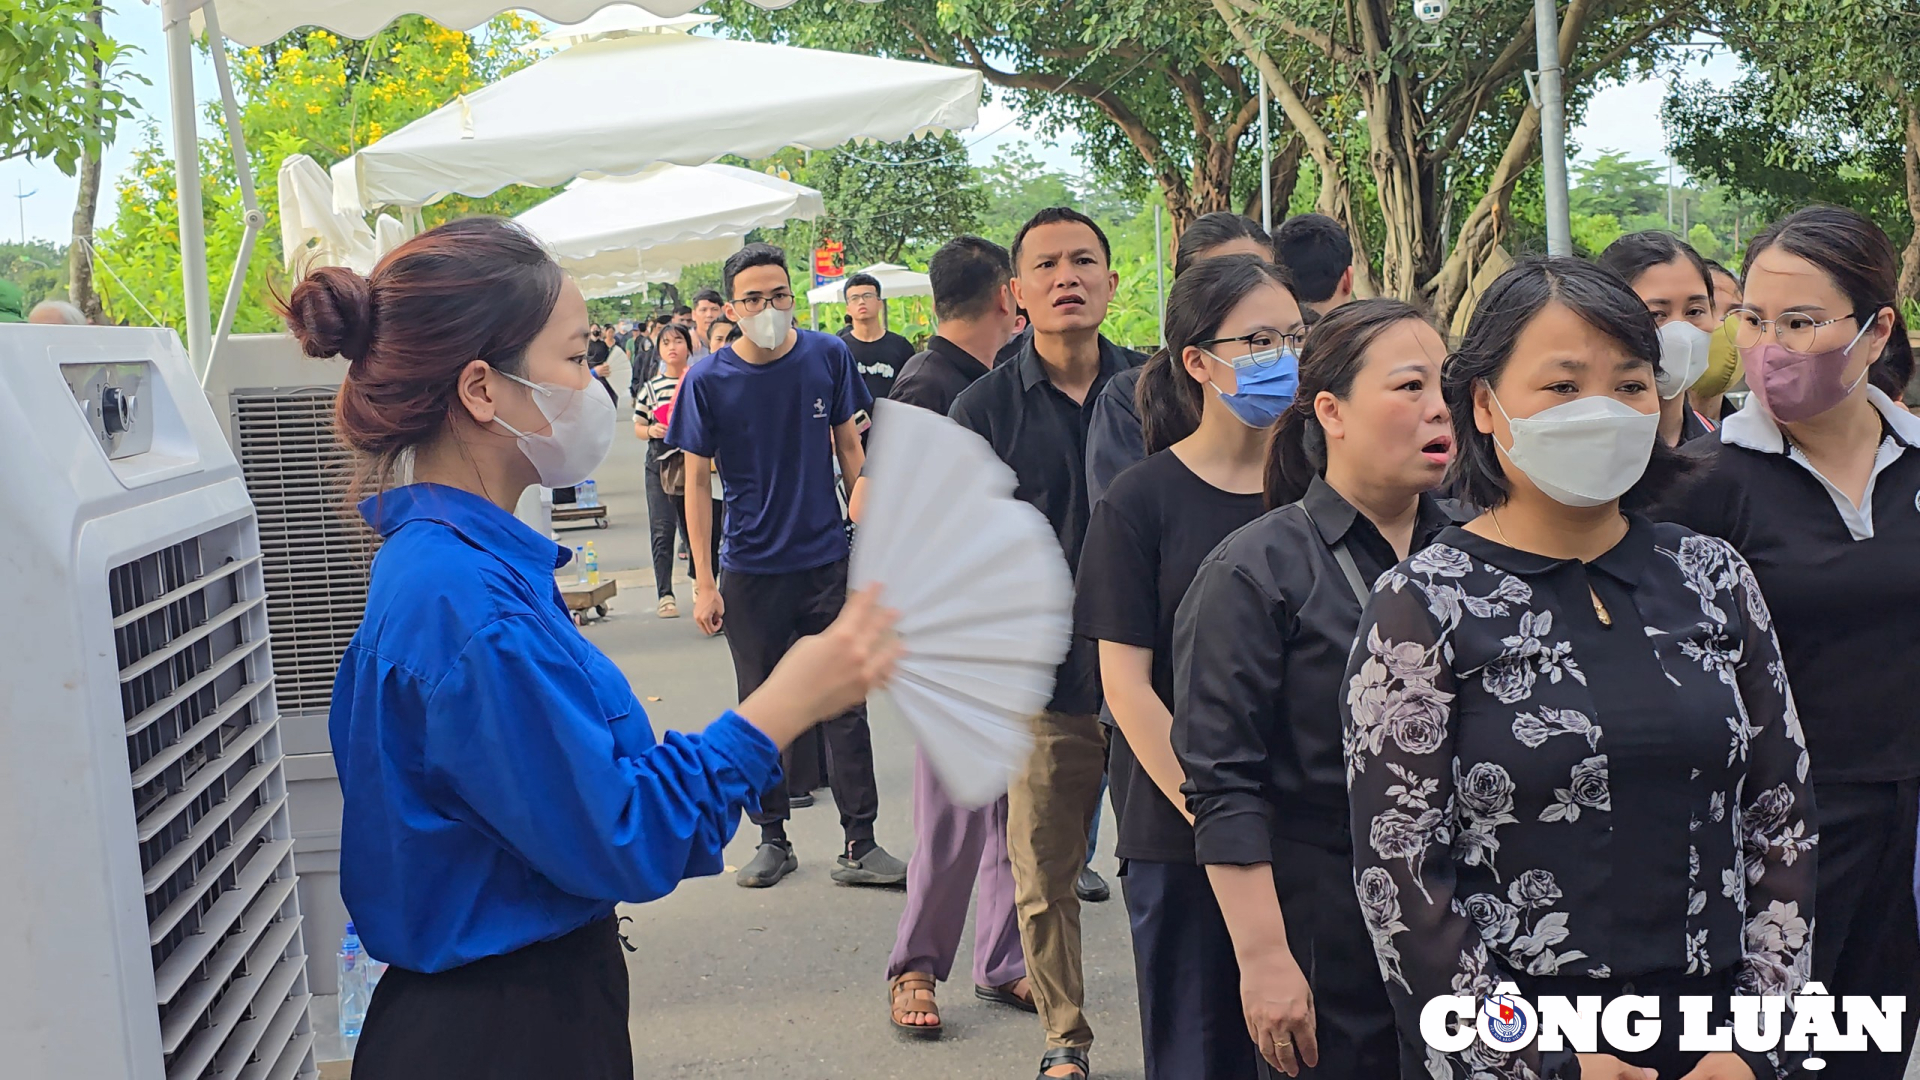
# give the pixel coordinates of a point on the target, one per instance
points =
(1267, 382)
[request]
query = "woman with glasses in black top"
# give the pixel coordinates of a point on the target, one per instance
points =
(1209, 402)
(1817, 482)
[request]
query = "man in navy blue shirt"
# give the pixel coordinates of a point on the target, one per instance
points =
(773, 410)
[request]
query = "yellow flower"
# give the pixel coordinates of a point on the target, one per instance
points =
(374, 131)
(313, 108)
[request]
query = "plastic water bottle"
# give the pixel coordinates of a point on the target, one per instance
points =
(579, 565)
(592, 567)
(356, 989)
(589, 494)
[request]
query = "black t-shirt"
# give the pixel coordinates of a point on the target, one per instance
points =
(1147, 537)
(879, 361)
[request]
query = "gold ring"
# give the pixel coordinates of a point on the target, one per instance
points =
(1283, 1043)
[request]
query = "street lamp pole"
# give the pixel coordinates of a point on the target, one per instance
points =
(1553, 127)
(1266, 160)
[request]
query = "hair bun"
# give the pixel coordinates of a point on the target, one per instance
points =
(331, 313)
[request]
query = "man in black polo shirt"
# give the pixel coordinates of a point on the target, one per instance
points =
(1034, 412)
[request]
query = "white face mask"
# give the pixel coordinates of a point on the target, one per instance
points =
(768, 327)
(1586, 452)
(1684, 351)
(579, 434)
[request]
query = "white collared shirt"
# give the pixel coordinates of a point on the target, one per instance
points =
(1752, 428)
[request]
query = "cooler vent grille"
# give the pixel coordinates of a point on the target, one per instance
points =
(317, 558)
(209, 804)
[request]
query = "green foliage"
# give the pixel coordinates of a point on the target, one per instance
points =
(307, 93)
(1704, 242)
(48, 48)
(1593, 232)
(39, 268)
(1619, 186)
(1780, 152)
(884, 198)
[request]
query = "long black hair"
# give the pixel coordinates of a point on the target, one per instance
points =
(1637, 252)
(1333, 355)
(1857, 255)
(1594, 293)
(1168, 398)
(1209, 231)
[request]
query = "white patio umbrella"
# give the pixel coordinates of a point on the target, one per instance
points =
(616, 105)
(895, 281)
(616, 233)
(313, 233)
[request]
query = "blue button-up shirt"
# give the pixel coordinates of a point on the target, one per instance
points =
(502, 784)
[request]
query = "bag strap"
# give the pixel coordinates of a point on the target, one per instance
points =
(1344, 557)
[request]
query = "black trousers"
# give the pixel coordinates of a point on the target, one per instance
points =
(765, 615)
(1192, 1026)
(1328, 936)
(1865, 940)
(663, 514)
(558, 1008)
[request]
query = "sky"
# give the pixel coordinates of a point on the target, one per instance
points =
(1617, 119)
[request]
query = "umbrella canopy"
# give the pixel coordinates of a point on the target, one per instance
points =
(620, 232)
(313, 233)
(615, 106)
(895, 281)
(257, 22)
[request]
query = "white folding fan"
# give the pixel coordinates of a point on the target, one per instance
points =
(983, 592)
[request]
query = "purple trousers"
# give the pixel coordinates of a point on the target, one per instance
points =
(951, 845)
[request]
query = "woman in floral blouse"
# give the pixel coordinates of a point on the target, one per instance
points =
(1573, 759)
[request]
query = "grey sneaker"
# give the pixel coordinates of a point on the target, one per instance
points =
(876, 867)
(768, 865)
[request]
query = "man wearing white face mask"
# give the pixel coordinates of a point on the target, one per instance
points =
(772, 411)
(1552, 683)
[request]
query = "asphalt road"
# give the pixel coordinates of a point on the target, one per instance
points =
(790, 982)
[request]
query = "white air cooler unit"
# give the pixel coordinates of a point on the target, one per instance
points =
(276, 407)
(153, 928)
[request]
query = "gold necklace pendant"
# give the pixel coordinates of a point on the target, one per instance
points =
(1599, 609)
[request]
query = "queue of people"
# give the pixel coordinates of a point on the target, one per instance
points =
(1414, 668)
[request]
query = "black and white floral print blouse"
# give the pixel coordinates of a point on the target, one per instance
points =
(1536, 793)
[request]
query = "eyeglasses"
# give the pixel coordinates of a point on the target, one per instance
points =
(1261, 345)
(753, 305)
(862, 297)
(1794, 330)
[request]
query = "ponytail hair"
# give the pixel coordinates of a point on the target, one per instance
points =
(1335, 351)
(1168, 399)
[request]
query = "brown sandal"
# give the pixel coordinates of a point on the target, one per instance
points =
(915, 987)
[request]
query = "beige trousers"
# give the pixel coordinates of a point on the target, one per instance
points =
(1049, 810)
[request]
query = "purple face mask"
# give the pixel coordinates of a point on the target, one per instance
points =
(1795, 386)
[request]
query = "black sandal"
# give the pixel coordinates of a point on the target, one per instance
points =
(1065, 1055)
(1004, 995)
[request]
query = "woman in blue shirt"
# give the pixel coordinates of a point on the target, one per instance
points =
(502, 785)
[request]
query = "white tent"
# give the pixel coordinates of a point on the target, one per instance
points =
(313, 233)
(256, 22)
(617, 105)
(616, 233)
(895, 282)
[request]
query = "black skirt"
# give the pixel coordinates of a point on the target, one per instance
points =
(554, 1009)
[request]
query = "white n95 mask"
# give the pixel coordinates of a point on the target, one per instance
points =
(1585, 452)
(579, 432)
(767, 327)
(1684, 352)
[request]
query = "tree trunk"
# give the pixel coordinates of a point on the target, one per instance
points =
(1910, 258)
(79, 256)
